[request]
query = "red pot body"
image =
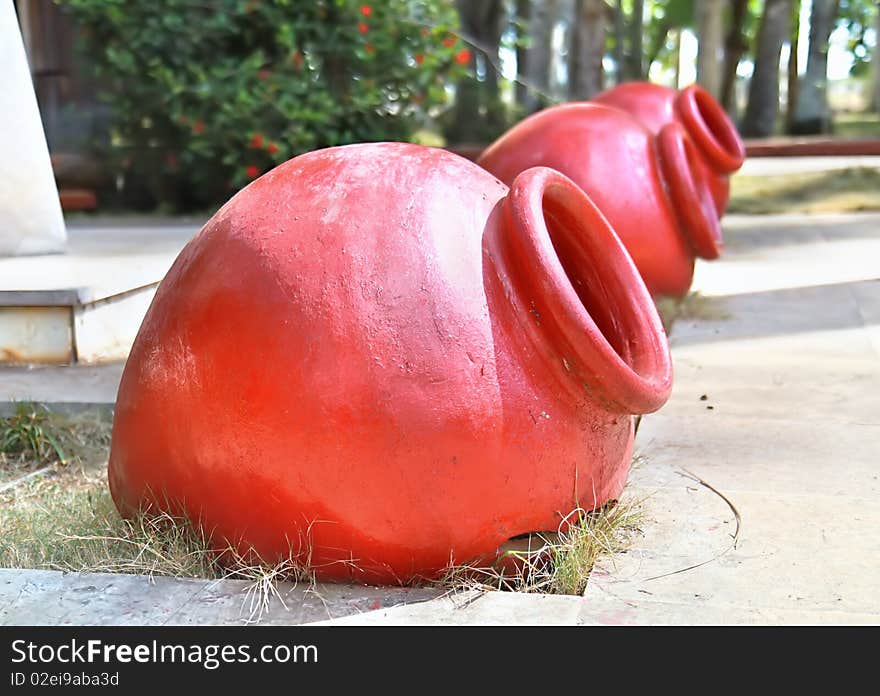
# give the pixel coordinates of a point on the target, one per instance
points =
(721, 149)
(375, 358)
(650, 188)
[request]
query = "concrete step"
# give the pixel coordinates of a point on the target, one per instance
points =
(86, 305)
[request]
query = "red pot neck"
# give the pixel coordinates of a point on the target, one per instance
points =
(711, 129)
(689, 191)
(577, 294)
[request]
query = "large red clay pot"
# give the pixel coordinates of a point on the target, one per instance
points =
(717, 141)
(379, 358)
(650, 188)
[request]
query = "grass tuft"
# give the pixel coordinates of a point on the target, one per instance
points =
(28, 434)
(692, 307)
(554, 562)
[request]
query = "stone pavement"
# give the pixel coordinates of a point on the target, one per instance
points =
(68, 387)
(776, 405)
(774, 418)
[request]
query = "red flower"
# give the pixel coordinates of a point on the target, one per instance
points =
(272, 148)
(369, 48)
(366, 10)
(449, 41)
(263, 74)
(363, 28)
(297, 59)
(463, 57)
(252, 171)
(419, 58)
(256, 141)
(198, 127)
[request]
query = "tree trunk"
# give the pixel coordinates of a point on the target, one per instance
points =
(524, 17)
(619, 38)
(763, 106)
(677, 51)
(793, 79)
(876, 63)
(710, 32)
(735, 46)
(587, 49)
(478, 111)
(812, 114)
(534, 67)
(636, 29)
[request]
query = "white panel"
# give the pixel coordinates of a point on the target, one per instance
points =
(106, 330)
(30, 212)
(35, 335)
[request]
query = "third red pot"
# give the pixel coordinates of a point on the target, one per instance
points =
(650, 188)
(716, 139)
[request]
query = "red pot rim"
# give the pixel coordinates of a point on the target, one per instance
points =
(711, 129)
(606, 339)
(689, 190)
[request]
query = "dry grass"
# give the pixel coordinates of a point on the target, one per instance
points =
(693, 307)
(70, 523)
(66, 520)
(837, 191)
(554, 563)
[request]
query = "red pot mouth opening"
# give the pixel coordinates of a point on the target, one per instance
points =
(580, 291)
(689, 191)
(711, 129)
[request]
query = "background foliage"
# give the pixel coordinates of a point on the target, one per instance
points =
(206, 96)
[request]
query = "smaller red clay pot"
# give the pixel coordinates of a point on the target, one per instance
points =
(716, 139)
(651, 189)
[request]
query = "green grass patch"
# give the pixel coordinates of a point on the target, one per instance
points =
(857, 125)
(837, 191)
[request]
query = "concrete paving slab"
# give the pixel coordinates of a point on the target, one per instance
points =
(607, 609)
(791, 373)
(756, 454)
(839, 391)
(477, 608)
(101, 261)
(53, 598)
(795, 552)
(68, 386)
(776, 252)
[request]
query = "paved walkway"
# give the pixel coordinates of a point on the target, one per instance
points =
(96, 251)
(775, 407)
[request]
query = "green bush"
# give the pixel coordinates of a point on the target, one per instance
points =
(205, 96)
